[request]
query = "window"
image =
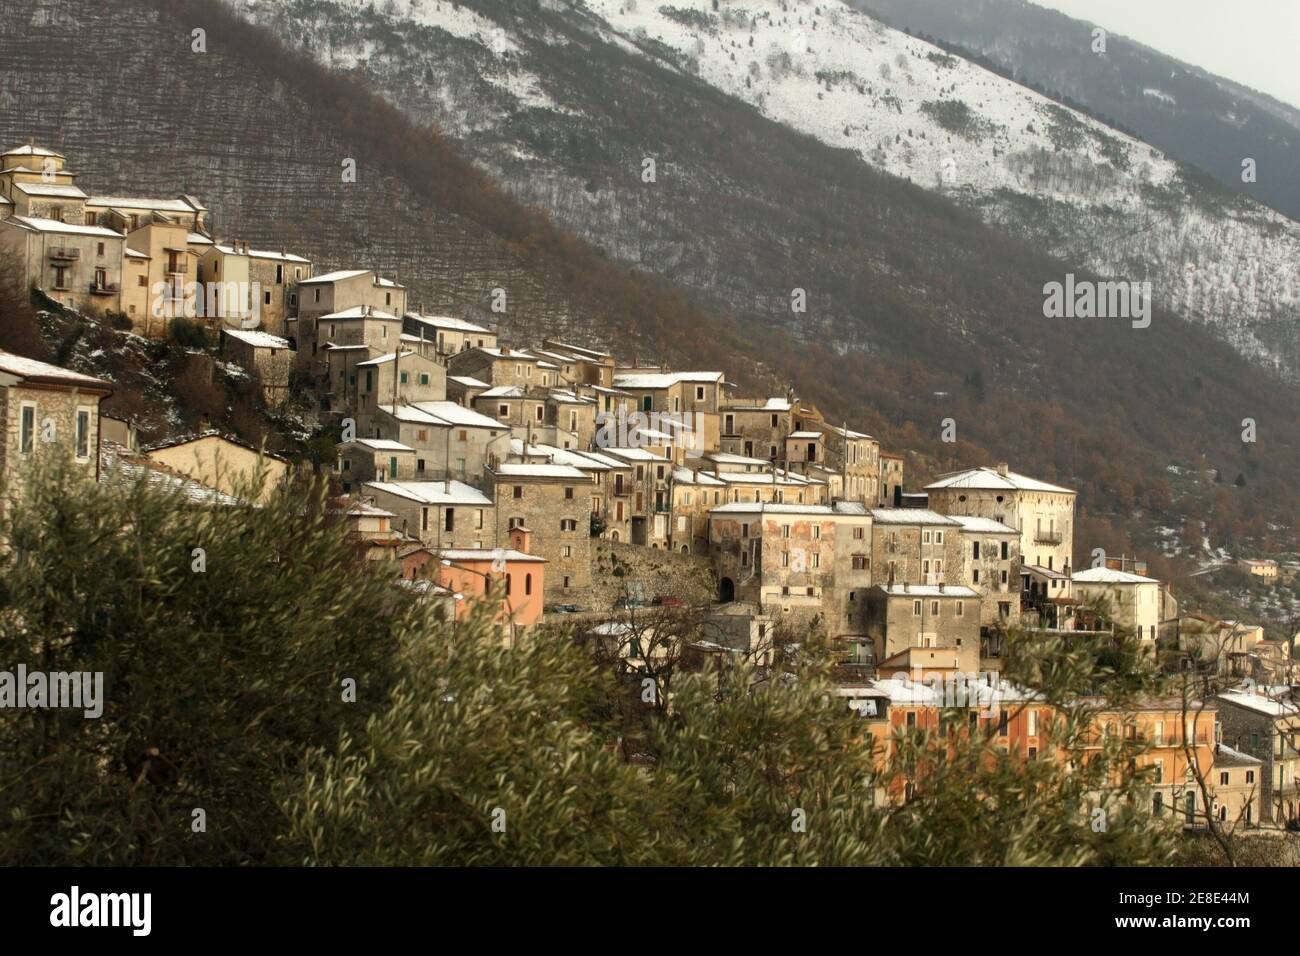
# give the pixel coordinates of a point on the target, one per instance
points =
(1004, 557)
(1158, 804)
(938, 537)
(27, 434)
(1003, 720)
(816, 559)
(478, 519)
(83, 433)
(1250, 776)
(1223, 779)
(392, 467)
(528, 584)
(424, 519)
(100, 249)
(518, 491)
(860, 562)
(916, 608)
(568, 524)
(925, 537)
(785, 559)
(503, 411)
(785, 531)
(449, 519)
(961, 608)
(975, 546)
(566, 552)
(424, 378)
(402, 377)
(568, 494)
(934, 608)
(975, 575)
(858, 534)
(1032, 717)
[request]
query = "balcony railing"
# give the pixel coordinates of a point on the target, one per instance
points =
(63, 252)
(1048, 537)
(107, 288)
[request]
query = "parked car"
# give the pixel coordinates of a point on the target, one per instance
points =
(667, 600)
(627, 604)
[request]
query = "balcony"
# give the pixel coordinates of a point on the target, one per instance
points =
(64, 253)
(1048, 537)
(108, 288)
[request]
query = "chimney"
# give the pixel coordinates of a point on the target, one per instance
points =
(940, 587)
(1002, 468)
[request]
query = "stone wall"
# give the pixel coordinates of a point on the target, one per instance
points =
(618, 567)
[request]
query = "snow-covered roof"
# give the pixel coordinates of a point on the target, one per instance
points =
(338, 276)
(359, 312)
(1260, 704)
(521, 470)
(442, 413)
(663, 379)
(727, 458)
(261, 254)
(120, 466)
(29, 369)
(64, 190)
(37, 224)
(258, 340)
(771, 507)
(469, 381)
(129, 202)
(633, 454)
(503, 391)
(381, 444)
(449, 322)
(1110, 576)
(911, 516)
(977, 525)
(990, 479)
(30, 150)
(805, 435)
(929, 590)
(433, 492)
(488, 554)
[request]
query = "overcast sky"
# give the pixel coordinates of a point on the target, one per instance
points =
(1255, 42)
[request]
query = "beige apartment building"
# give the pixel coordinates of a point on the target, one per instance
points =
(916, 546)
(45, 410)
(266, 282)
(1134, 601)
(1043, 513)
(76, 265)
(450, 441)
(442, 514)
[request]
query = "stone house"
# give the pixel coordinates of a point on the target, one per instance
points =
(45, 410)
(463, 389)
(1236, 787)
(450, 441)
(916, 546)
(578, 365)
(554, 502)
(268, 356)
(945, 617)
(991, 567)
(441, 514)
(35, 182)
(505, 366)
(1267, 727)
(374, 459)
(448, 334)
(756, 427)
(394, 378)
(346, 293)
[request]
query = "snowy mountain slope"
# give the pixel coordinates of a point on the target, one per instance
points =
(1077, 188)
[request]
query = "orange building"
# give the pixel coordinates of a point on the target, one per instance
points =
(512, 576)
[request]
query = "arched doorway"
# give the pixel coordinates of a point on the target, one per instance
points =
(726, 590)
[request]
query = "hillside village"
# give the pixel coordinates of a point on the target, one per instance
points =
(562, 484)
